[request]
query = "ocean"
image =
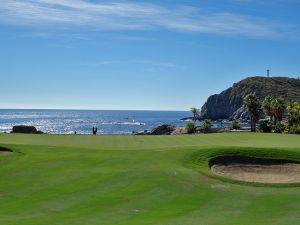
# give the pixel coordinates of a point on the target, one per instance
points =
(82, 121)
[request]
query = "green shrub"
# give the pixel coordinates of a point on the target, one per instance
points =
(190, 128)
(279, 127)
(265, 126)
(235, 124)
(206, 125)
(295, 129)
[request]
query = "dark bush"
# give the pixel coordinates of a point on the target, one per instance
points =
(295, 129)
(265, 126)
(279, 127)
(235, 124)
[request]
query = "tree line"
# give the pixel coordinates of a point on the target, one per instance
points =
(275, 108)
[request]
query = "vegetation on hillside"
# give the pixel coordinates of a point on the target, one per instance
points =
(275, 108)
(285, 87)
(229, 103)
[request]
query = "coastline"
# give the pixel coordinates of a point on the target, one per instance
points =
(122, 122)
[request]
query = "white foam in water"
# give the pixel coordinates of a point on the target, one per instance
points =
(124, 123)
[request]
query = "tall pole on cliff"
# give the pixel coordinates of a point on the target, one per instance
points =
(268, 73)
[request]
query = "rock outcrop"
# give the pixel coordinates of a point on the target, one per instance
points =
(25, 130)
(229, 103)
(179, 130)
(164, 129)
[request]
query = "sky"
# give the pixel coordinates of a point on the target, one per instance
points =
(140, 55)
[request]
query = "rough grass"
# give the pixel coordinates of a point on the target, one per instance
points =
(161, 180)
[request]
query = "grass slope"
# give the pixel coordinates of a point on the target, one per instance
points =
(142, 180)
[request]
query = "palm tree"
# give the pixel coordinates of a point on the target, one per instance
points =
(254, 109)
(267, 106)
(293, 108)
(278, 106)
(195, 112)
(291, 104)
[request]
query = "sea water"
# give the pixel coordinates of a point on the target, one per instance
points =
(82, 121)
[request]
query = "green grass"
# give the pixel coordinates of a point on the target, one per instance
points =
(140, 180)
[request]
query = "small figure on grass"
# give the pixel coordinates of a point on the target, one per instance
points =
(95, 130)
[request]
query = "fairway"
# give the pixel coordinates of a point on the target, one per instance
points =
(140, 180)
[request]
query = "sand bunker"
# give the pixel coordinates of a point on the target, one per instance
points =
(5, 150)
(258, 170)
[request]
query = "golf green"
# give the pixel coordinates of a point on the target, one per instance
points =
(140, 180)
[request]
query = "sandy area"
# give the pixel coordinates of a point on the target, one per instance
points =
(4, 153)
(261, 171)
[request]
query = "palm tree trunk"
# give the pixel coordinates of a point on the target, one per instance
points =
(275, 120)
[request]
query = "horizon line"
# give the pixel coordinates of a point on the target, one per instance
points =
(74, 109)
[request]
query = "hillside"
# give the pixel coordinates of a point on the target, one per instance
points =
(229, 103)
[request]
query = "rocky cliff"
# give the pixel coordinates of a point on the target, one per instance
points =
(229, 103)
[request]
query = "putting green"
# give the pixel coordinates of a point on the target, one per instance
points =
(161, 180)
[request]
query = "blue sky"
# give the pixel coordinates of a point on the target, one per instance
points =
(159, 54)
